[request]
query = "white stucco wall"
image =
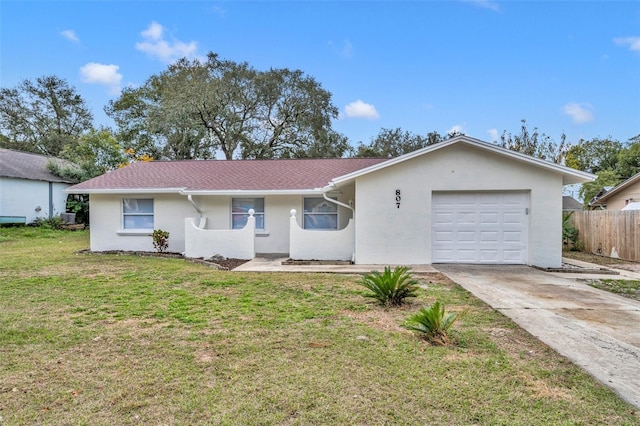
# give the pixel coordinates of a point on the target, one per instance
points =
(170, 211)
(386, 234)
(321, 245)
(230, 243)
(107, 233)
(21, 197)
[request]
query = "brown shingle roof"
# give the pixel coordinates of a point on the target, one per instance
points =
(25, 165)
(227, 175)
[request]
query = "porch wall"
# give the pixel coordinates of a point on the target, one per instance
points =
(230, 243)
(320, 245)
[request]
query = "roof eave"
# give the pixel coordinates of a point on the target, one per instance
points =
(249, 192)
(569, 175)
(124, 191)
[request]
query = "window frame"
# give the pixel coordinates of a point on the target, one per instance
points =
(125, 215)
(306, 214)
(257, 213)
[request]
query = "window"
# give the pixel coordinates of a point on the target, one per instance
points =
(320, 214)
(240, 212)
(137, 213)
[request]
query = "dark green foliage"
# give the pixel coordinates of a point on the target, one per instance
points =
(43, 116)
(569, 232)
(79, 204)
(196, 108)
(433, 323)
(160, 240)
(605, 178)
(391, 288)
(53, 222)
(391, 143)
(536, 144)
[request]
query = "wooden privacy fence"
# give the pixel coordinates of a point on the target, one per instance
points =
(612, 233)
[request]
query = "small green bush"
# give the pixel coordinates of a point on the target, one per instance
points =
(433, 323)
(160, 240)
(391, 288)
(53, 222)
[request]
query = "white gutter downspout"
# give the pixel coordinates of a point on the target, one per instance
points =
(195, 206)
(353, 216)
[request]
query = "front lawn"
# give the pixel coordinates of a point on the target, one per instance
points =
(108, 339)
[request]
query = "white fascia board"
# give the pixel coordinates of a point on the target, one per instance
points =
(569, 175)
(125, 191)
(246, 192)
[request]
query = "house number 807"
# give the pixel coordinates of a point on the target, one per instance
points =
(398, 198)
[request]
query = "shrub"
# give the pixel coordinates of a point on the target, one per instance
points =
(391, 288)
(160, 240)
(569, 232)
(53, 222)
(433, 323)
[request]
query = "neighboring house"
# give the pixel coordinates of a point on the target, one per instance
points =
(27, 189)
(619, 196)
(570, 204)
(459, 201)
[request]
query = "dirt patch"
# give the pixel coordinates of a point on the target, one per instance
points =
(541, 389)
(381, 319)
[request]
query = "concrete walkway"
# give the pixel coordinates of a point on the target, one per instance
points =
(274, 264)
(597, 330)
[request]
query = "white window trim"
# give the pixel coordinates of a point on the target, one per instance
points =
(136, 231)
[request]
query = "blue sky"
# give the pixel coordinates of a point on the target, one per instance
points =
(476, 66)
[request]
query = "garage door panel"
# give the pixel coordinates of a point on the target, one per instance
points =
(467, 236)
(484, 227)
(512, 217)
(444, 236)
(486, 217)
(489, 255)
(466, 217)
(443, 218)
(512, 236)
(466, 255)
(513, 256)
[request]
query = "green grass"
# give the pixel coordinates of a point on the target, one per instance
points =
(107, 339)
(626, 288)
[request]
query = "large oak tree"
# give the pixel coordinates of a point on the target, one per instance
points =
(195, 108)
(42, 116)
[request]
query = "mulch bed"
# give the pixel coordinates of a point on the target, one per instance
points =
(224, 264)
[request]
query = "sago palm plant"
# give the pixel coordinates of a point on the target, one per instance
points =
(433, 323)
(390, 288)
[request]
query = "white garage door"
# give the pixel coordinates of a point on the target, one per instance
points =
(480, 227)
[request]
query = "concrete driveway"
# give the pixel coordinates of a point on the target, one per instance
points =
(597, 330)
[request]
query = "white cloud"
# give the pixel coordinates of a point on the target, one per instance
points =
(632, 42)
(154, 32)
(155, 45)
(70, 35)
(360, 109)
(107, 75)
(579, 112)
(345, 50)
(493, 133)
(485, 4)
(458, 128)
